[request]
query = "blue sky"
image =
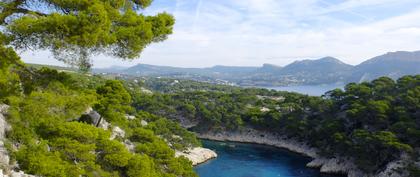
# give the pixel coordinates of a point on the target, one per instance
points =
(253, 32)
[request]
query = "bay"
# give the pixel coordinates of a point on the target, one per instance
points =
(251, 160)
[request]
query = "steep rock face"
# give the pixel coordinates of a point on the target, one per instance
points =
(4, 127)
(197, 155)
(259, 137)
(393, 168)
(4, 155)
(339, 165)
(347, 166)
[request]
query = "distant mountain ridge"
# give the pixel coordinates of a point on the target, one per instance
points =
(392, 64)
(303, 72)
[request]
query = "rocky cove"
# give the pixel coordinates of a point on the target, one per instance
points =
(334, 165)
(198, 155)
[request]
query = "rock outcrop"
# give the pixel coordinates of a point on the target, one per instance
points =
(393, 169)
(117, 132)
(259, 137)
(143, 123)
(4, 155)
(130, 117)
(337, 165)
(15, 174)
(4, 127)
(129, 145)
(197, 155)
(94, 118)
(104, 124)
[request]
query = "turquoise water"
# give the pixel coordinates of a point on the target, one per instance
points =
(249, 160)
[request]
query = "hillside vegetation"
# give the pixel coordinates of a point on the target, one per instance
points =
(48, 137)
(378, 121)
(372, 122)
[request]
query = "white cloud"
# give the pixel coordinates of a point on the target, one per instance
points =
(253, 32)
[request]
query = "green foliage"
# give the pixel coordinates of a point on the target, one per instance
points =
(141, 166)
(414, 171)
(114, 101)
(142, 135)
(9, 81)
(180, 138)
(50, 140)
(113, 153)
(36, 159)
(9, 84)
(375, 148)
(76, 30)
(376, 120)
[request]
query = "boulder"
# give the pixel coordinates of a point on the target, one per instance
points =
(129, 145)
(94, 118)
(130, 117)
(117, 132)
(104, 124)
(91, 117)
(143, 123)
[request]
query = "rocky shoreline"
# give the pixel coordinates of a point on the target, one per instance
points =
(336, 165)
(197, 155)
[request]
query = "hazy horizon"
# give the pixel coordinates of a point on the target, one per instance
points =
(254, 32)
(58, 63)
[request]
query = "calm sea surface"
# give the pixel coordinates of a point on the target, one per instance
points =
(249, 160)
(313, 90)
